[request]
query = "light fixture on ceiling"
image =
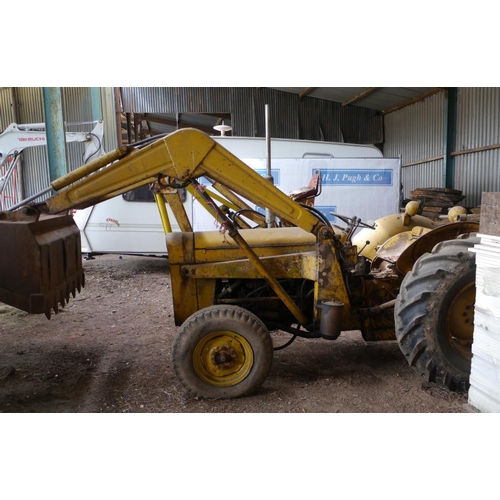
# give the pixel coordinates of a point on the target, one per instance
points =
(223, 129)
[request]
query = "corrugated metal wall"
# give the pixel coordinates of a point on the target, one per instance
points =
(33, 170)
(7, 115)
(25, 105)
(478, 126)
(77, 108)
(11, 190)
(291, 117)
(283, 113)
(109, 116)
(417, 133)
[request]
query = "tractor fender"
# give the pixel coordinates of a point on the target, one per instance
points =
(428, 240)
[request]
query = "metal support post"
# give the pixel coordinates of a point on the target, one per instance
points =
(56, 139)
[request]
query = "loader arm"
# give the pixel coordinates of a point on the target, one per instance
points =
(181, 157)
(33, 237)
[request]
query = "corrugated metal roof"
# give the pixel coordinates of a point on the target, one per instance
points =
(379, 98)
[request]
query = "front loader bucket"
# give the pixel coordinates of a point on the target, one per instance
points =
(40, 263)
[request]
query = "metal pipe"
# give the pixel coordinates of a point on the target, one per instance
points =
(162, 208)
(20, 170)
(5, 178)
(31, 198)
(270, 219)
(118, 116)
(237, 202)
(376, 310)
(268, 142)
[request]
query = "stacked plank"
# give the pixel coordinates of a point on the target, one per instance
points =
(484, 392)
(436, 201)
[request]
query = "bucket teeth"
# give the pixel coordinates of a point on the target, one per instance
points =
(60, 297)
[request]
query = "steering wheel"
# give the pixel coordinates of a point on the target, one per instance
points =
(351, 221)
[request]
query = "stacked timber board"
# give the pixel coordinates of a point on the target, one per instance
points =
(484, 392)
(436, 201)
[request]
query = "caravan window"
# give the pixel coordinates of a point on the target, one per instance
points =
(142, 193)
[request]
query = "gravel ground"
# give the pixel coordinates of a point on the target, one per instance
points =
(109, 351)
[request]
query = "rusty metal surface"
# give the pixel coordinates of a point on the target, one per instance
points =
(429, 240)
(391, 250)
(379, 291)
(41, 263)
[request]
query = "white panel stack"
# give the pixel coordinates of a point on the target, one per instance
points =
(484, 392)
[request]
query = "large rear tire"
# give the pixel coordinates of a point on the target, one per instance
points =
(434, 314)
(222, 352)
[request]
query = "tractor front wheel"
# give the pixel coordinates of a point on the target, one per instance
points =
(222, 352)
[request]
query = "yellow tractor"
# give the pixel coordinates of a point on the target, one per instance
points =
(405, 277)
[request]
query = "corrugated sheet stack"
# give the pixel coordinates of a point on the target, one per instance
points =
(436, 201)
(484, 393)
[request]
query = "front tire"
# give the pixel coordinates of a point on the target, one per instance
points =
(434, 314)
(222, 352)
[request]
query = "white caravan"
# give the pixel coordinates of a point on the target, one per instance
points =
(356, 180)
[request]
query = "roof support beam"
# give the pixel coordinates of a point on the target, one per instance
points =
(361, 96)
(414, 100)
(306, 91)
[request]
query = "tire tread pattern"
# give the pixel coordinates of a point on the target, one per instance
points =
(222, 317)
(417, 307)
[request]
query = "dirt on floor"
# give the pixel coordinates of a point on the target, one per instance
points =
(109, 350)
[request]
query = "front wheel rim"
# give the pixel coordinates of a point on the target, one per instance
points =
(461, 321)
(223, 358)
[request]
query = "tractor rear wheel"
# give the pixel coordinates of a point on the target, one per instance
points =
(222, 352)
(434, 314)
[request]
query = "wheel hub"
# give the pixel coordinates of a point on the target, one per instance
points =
(461, 321)
(223, 356)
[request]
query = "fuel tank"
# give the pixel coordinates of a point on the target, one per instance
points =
(385, 228)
